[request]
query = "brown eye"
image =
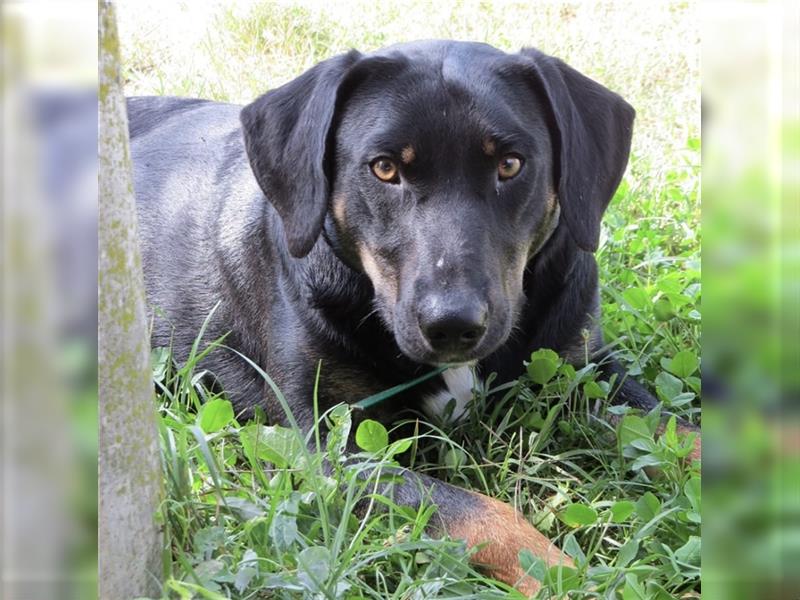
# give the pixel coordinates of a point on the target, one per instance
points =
(384, 169)
(509, 166)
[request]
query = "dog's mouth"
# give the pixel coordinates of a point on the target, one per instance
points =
(454, 348)
(423, 354)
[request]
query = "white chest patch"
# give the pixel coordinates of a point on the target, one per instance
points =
(460, 382)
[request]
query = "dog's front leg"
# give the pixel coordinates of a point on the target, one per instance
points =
(495, 527)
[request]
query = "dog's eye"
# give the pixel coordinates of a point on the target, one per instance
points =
(384, 169)
(509, 166)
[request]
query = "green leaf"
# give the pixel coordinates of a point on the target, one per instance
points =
(636, 297)
(339, 431)
(248, 568)
(214, 415)
(547, 427)
(372, 436)
(648, 506)
(627, 553)
(576, 515)
(243, 508)
(621, 510)
(656, 592)
(283, 581)
(455, 458)
(622, 190)
(278, 445)
(532, 565)
(668, 386)
(208, 456)
(632, 428)
(644, 445)
(692, 490)
(563, 578)
(683, 364)
(653, 420)
(399, 447)
(159, 361)
(671, 432)
(633, 590)
(689, 553)
(208, 540)
(283, 529)
(592, 389)
(648, 460)
(682, 399)
(663, 310)
(313, 568)
(192, 590)
(573, 549)
(543, 366)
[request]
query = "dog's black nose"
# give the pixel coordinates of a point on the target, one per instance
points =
(452, 327)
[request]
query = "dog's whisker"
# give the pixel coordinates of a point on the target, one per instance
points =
(367, 316)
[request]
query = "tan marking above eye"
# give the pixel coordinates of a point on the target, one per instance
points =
(489, 147)
(509, 166)
(384, 169)
(408, 155)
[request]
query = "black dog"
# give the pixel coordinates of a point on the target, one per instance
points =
(410, 207)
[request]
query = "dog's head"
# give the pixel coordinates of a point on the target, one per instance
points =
(442, 168)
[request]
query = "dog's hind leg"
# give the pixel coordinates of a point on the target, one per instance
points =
(499, 530)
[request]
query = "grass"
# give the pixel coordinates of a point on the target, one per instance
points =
(252, 513)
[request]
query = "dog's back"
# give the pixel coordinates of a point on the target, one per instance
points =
(191, 178)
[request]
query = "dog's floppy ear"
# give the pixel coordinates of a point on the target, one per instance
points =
(286, 133)
(592, 129)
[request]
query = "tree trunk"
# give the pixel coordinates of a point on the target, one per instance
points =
(129, 478)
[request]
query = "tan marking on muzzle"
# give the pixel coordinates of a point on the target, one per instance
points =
(551, 202)
(515, 274)
(408, 155)
(384, 284)
(548, 224)
(489, 147)
(339, 209)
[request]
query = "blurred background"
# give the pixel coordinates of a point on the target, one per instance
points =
(650, 51)
(48, 442)
(751, 280)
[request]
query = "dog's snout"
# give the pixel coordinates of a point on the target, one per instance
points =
(452, 326)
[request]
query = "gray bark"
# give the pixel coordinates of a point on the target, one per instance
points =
(129, 483)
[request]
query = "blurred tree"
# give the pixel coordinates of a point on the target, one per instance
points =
(129, 479)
